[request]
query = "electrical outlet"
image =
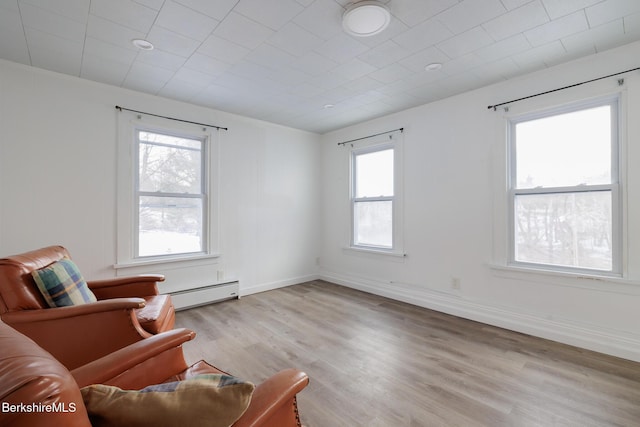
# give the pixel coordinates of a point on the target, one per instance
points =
(455, 283)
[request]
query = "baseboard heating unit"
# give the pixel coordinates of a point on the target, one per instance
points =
(203, 295)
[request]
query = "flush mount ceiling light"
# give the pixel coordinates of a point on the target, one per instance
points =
(142, 44)
(366, 18)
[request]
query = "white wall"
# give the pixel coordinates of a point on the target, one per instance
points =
(454, 210)
(58, 182)
(285, 193)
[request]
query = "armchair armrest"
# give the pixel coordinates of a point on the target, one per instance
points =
(79, 334)
(15, 318)
(123, 287)
(274, 400)
(132, 358)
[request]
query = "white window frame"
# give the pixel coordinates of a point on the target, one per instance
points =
(128, 194)
(388, 141)
(614, 187)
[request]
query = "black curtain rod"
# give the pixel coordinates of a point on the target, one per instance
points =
(561, 88)
(170, 118)
(371, 136)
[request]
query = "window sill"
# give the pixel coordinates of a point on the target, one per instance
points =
(164, 260)
(565, 278)
(374, 251)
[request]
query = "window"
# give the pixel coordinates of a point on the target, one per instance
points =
(375, 207)
(168, 188)
(170, 194)
(563, 188)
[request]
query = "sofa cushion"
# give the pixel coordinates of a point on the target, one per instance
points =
(206, 400)
(61, 284)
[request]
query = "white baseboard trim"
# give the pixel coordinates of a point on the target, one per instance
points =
(263, 287)
(590, 337)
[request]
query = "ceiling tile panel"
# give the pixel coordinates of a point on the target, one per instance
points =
(101, 49)
(52, 23)
(391, 73)
(100, 69)
(423, 35)
(76, 10)
(559, 8)
(13, 44)
(194, 77)
(385, 54)
(517, 21)
(557, 29)
(271, 13)
(413, 12)
(271, 57)
(206, 64)
(419, 60)
(538, 57)
(514, 4)
(223, 49)
(464, 43)
(110, 32)
(504, 48)
(161, 59)
(322, 18)
(171, 42)
(295, 40)
(126, 13)
(470, 13)
(151, 4)
(610, 10)
(181, 90)
(54, 53)
(185, 21)
(599, 38)
(341, 48)
(314, 64)
(217, 9)
(462, 64)
(147, 78)
(243, 31)
(283, 60)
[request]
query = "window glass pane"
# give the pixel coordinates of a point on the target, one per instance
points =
(564, 150)
(565, 229)
(169, 225)
(169, 164)
(373, 225)
(374, 174)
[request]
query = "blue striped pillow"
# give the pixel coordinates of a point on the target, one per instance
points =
(61, 284)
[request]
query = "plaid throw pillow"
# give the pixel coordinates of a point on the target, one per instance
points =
(210, 400)
(61, 284)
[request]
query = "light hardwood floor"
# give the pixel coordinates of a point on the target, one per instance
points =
(376, 362)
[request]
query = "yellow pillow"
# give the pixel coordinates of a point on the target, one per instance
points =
(210, 400)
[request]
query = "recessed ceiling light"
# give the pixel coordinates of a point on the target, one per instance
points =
(366, 18)
(328, 106)
(142, 44)
(433, 66)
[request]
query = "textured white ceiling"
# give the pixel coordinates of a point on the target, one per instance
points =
(283, 60)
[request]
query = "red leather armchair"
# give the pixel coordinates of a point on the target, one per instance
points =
(31, 376)
(128, 309)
